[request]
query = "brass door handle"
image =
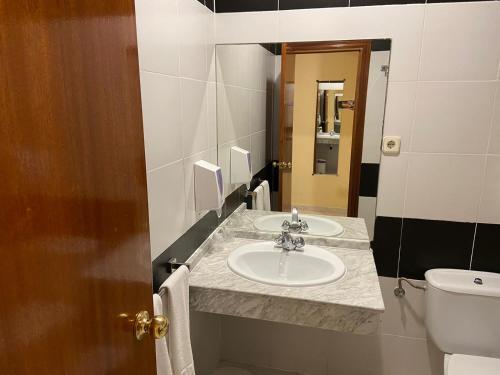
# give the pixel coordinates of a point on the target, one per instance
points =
(157, 326)
(282, 164)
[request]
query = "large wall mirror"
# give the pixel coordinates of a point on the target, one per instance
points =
(311, 114)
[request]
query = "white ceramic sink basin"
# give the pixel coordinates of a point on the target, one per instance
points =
(265, 263)
(318, 226)
(327, 138)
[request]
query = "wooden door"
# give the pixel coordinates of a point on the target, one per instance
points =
(289, 50)
(74, 235)
(286, 128)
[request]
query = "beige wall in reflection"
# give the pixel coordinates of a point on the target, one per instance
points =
(321, 192)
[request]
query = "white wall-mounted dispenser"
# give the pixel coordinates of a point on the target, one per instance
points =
(241, 166)
(208, 187)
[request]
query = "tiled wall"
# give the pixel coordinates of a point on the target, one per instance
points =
(400, 348)
(176, 58)
(443, 101)
(445, 185)
(245, 74)
(372, 137)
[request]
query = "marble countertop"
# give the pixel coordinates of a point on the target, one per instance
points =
(354, 236)
(351, 304)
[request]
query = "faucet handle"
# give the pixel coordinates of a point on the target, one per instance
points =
(282, 238)
(286, 225)
(303, 226)
(298, 242)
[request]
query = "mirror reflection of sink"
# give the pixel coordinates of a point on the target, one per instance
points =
(265, 263)
(322, 137)
(318, 226)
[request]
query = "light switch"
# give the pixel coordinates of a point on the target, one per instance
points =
(391, 145)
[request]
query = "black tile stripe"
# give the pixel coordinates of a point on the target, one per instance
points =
(194, 237)
(199, 232)
(427, 244)
(486, 256)
(385, 244)
(210, 4)
(309, 4)
(274, 48)
(368, 185)
(226, 6)
(381, 44)
(362, 3)
(452, 1)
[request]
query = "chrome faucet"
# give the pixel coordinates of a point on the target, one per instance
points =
(296, 226)
(290, 243)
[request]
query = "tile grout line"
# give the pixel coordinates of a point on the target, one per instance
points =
(483, 179)
(405, 194)
(403, 216)
(473, 245)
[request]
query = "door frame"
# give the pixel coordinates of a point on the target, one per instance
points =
(364, 49)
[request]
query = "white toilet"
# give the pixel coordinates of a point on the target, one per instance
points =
(463, 319)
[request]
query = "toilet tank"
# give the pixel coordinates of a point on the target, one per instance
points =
(463, 311)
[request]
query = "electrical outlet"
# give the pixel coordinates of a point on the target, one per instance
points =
(391, 145)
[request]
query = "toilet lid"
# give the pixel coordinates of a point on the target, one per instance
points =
(461, 364)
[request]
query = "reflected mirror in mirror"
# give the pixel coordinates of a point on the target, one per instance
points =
(311, 115)
(328, 125)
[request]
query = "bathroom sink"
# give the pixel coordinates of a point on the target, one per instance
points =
(318, 226)
(265, 263)
(327, 138)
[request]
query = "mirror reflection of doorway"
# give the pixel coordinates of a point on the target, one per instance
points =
(323, 122)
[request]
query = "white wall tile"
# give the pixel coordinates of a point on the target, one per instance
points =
(205, 341)
(367, 210)
(444, 187)
(258, 102)
(191, 215)
(494, 146)
(211, 103)
(157, 36)
(176, 38)
(392, 185)
(400, 111)
(246, 27)
(375, 106)
(224, 160)
(229, 64)
(210, 33)
(382, 355)
(405, 30)
(459, 41)
(288, 347)
(410, 356)
(193, 30)
(258, 151)
(489, 211)
(193, 116)
(166, 202)
(233, 105)
(453, 117)
(403, 316)
(161, 118)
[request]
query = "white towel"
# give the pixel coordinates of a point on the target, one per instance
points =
(267, 195)
(175, 298)
(259, 198)
(163, 365)
(254, 201)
